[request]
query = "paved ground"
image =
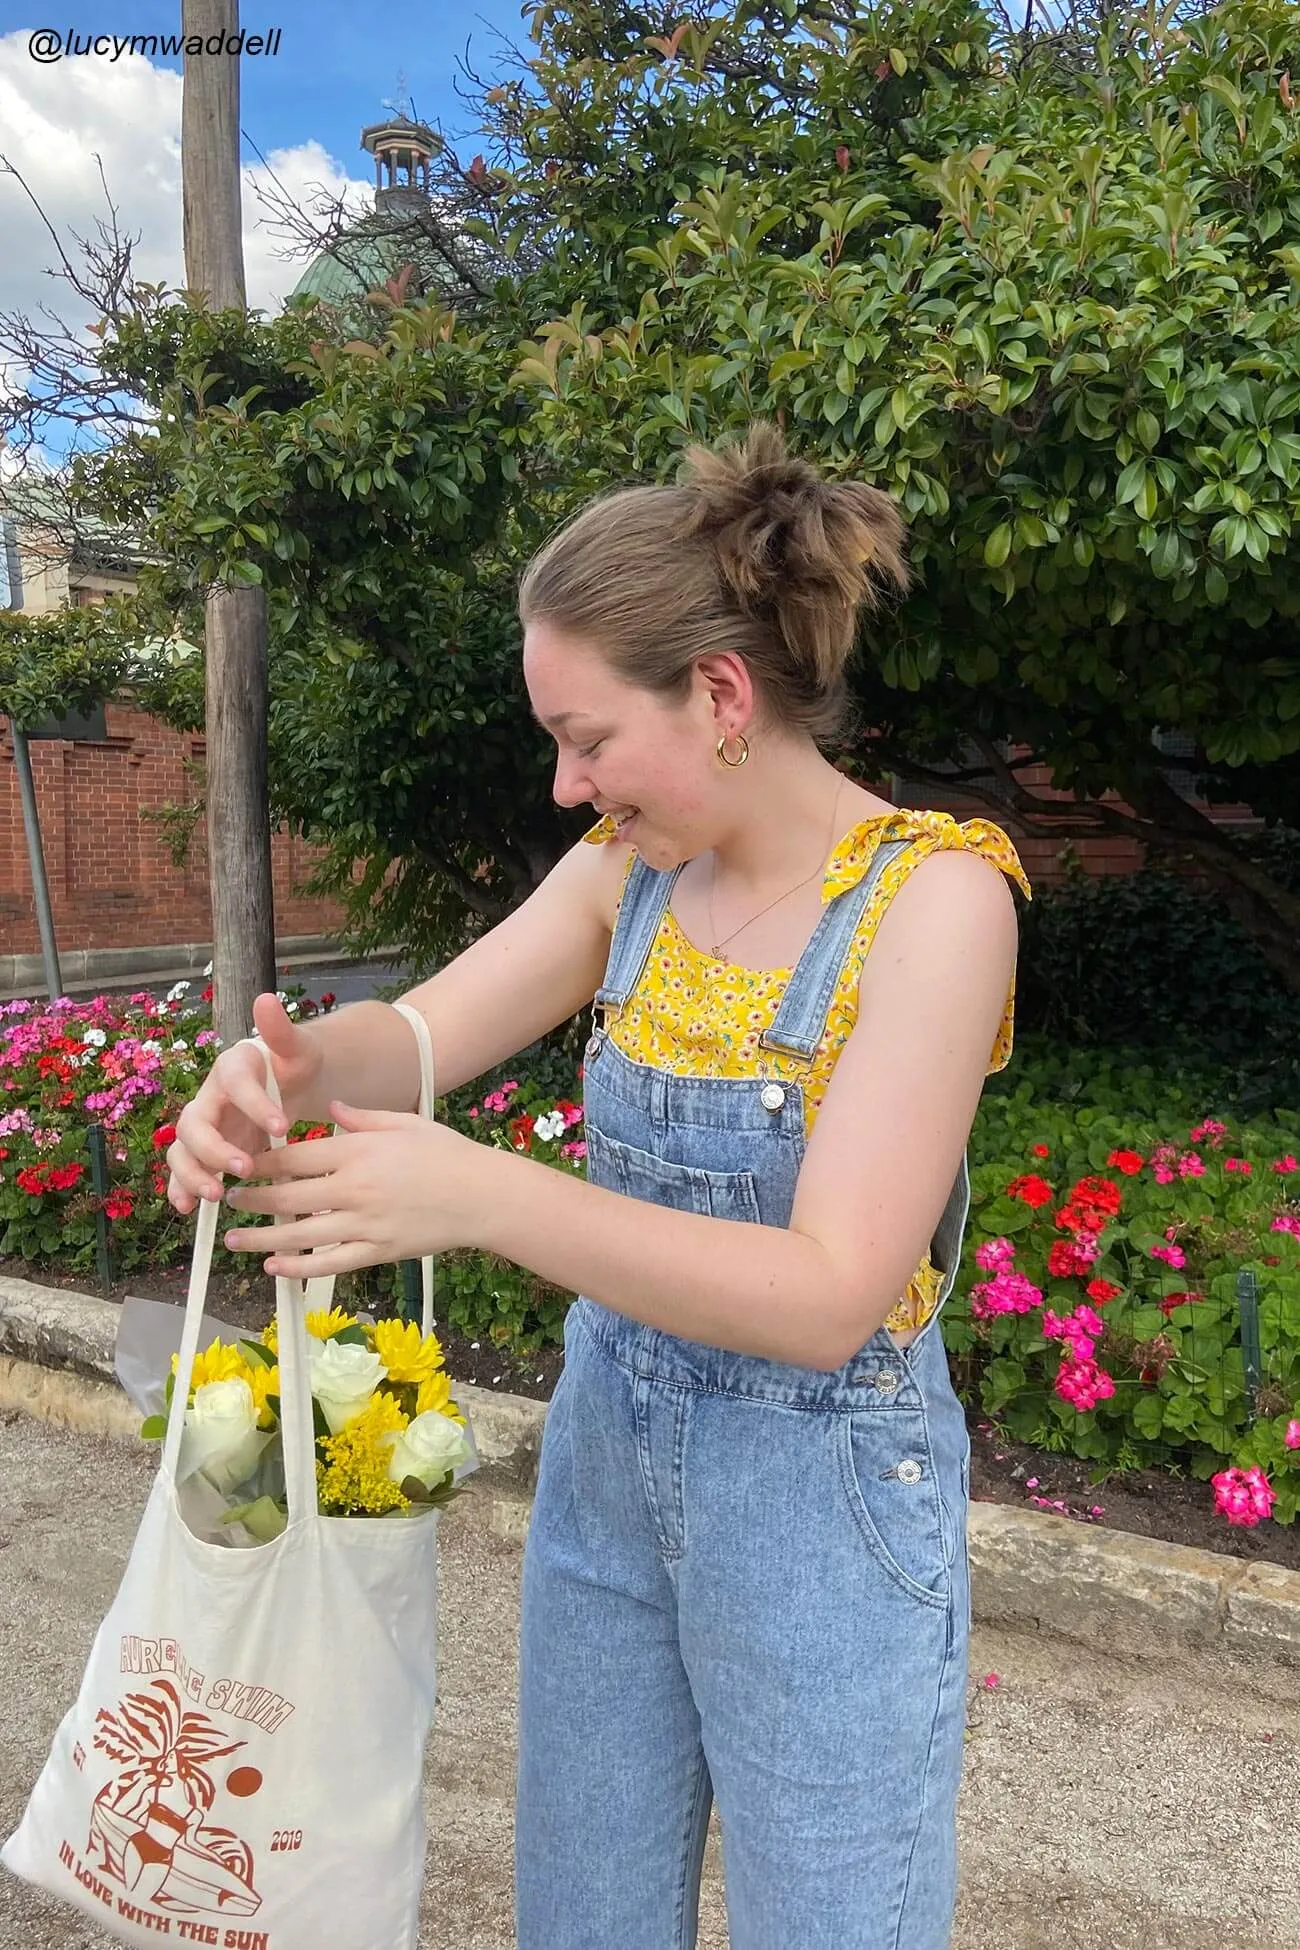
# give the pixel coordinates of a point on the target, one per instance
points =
(1104, 1808)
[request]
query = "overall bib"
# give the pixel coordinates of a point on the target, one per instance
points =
(743, 1580)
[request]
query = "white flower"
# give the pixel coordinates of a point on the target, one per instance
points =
(428, 1449)
(549, 1125)
(222, 1440)
(291, 1008)
(343, 1378)
(94, 1037)
(280, 996)
(178, 1044)
(174, 995)
(208, 969)
(154, 1048)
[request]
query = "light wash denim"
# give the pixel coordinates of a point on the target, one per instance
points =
(743, 1579)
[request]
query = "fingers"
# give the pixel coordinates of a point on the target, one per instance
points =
(323, 1229)
(310, 1159)
(276, 1026)
(202, 1154)
(294, 1196)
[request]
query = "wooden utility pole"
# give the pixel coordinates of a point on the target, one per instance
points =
(236, 685)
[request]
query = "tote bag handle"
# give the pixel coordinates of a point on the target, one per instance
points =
(293, 1300)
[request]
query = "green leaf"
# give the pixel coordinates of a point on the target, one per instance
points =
(154, 1428)
(998, 546)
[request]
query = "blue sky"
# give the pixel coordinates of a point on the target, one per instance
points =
(65, 122)
(337, 62)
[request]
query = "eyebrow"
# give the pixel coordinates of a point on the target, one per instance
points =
(560, 718)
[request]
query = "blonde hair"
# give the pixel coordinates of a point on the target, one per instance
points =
(753, 550)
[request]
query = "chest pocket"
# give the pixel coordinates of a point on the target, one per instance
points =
(687, 1188)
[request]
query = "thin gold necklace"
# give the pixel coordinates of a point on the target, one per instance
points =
(819, 868)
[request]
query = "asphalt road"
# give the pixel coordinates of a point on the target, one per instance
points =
(1104, 1807)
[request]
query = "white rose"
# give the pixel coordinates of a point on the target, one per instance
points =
(222, 1440)
(430, 1446)
(343, 1378)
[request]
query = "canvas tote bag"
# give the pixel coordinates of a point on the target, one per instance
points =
(243, 1764)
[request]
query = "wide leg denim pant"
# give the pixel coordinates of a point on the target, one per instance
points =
(744, 1580)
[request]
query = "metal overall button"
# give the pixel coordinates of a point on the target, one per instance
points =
(771, 1096)
(886, 1381)
(909, 1471)
(593, 1044)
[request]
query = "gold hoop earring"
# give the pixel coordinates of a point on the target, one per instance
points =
(733, 762)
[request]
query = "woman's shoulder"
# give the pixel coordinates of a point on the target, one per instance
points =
(924, 832)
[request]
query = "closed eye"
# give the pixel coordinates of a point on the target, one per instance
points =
(592, 749)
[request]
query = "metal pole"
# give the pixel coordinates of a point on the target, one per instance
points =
(40, 886)
(412, 1300)
(95, 1145)
(1248, 1307)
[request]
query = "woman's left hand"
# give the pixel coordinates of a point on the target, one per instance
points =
(391, 1186)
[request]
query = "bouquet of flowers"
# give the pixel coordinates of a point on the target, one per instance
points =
(390, 1438)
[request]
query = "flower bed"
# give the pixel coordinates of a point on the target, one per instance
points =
(1096, 1315)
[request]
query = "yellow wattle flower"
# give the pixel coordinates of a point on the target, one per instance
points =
(353, 1480)
(407, 1354)
(435, 1394)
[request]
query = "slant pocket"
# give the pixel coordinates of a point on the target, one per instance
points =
(889, 1479)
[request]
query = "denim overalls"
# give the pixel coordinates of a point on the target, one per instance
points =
(743, 1579)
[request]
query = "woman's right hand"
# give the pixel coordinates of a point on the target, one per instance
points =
(231, 1115)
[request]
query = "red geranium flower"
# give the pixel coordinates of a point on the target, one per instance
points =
(1041, 1151)
(119, 1205)
(64, 1177)
(1172, 1300)
(205, 995)
(1033, 1190)
(1065, 1260)
(30, 1180)
(1129, 1162)
(1097, 1195)
(163, 1136)
(1100, 1291)
(521, 1132)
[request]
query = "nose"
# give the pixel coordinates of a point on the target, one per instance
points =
(571, 787)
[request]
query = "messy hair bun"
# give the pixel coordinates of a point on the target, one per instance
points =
(752, 550)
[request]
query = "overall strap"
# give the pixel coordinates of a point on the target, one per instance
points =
(646, 894)
(800, 1021)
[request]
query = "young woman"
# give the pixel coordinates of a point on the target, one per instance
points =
(746, 1575)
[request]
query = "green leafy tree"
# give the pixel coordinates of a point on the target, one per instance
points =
(1041, 289)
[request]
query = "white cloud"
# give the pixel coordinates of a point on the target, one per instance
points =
(56, 119)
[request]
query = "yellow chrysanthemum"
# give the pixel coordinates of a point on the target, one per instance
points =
(263, 1381)
(217, 1362)
(435, 1393)
(320, 1325)
(353, 1481)
(324, 1326)
(407, 1354)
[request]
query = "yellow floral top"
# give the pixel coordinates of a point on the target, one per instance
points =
(694, 1016)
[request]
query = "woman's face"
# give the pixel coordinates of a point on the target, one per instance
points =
(623, 749)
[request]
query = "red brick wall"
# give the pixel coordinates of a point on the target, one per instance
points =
(112, 882)
(1112, 854)
(113, 885)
